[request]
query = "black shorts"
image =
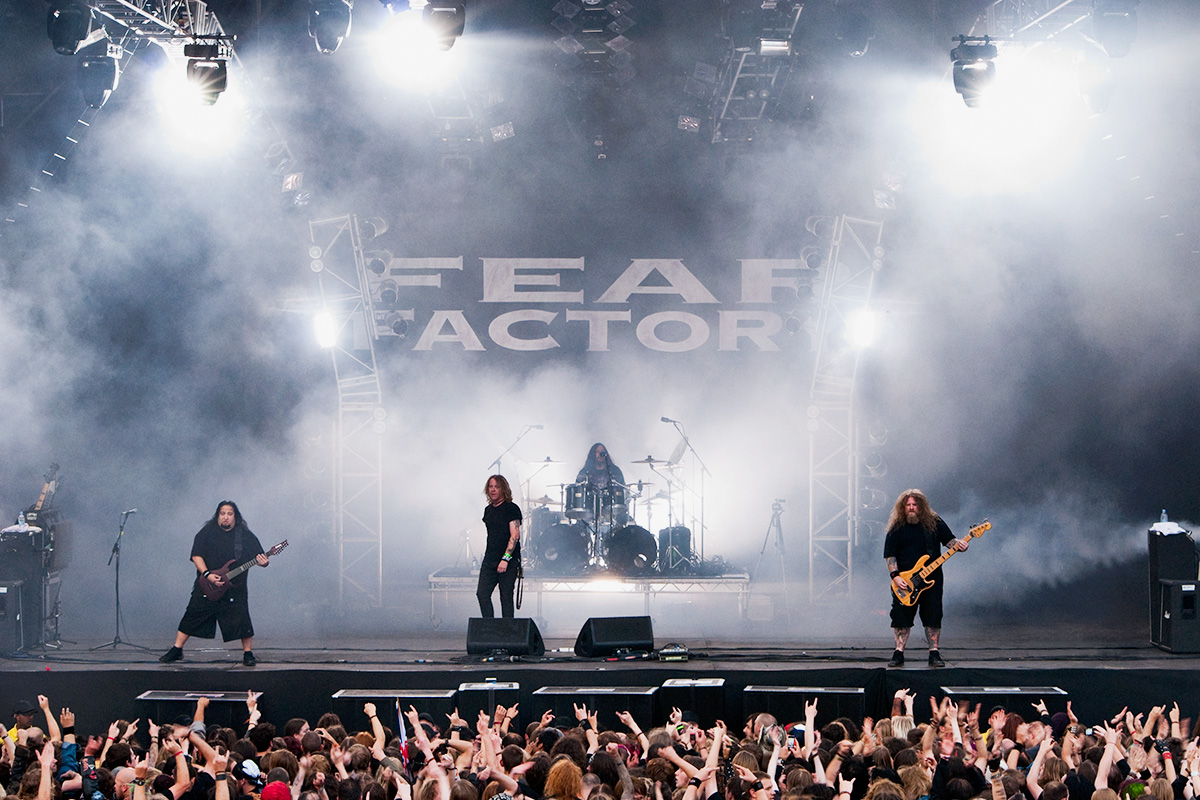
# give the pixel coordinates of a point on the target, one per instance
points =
(232, 612)
(929, 604)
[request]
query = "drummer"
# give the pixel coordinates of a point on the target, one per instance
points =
(608, 484)
(598, 470)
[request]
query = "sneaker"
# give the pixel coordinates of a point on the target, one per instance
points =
(174, 654)
(897, 659)
(248, 658)
(935, 659)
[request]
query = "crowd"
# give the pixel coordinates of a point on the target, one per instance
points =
(955, 753)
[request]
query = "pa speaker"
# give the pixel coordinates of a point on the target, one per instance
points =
(604, 636)
(519, 637)
(1179, 628)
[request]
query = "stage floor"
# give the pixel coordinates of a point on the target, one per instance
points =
(301, 677)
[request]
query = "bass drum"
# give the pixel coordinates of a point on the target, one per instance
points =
(631, 551)
(563, 549)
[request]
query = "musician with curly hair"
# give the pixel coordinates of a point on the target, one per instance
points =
(915, 530)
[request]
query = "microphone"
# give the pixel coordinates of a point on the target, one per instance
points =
(536, 427)
(668, 419)
(131, 511)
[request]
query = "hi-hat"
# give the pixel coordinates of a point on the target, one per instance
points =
(545, 500)
(650, 460)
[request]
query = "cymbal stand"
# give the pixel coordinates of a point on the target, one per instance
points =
(703, 472)
(465, 548)
(498, 460)
(775, 527)
(116, 553)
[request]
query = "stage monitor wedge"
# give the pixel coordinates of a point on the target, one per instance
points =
(605, 636)
(518, 637)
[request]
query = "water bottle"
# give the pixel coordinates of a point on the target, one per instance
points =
(1163, 517)
(21, 519)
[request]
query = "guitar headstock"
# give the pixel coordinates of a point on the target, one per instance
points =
(979, 530)
(277, 549)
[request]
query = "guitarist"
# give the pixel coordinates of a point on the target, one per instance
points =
(914, 530)
(223, 539)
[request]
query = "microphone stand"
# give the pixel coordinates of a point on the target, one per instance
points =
(703, 471)
(116, 553)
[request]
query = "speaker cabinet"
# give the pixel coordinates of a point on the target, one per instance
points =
(11, 614)
(520, 637)
(604, 636)
(1179, 627)
(1173, 556)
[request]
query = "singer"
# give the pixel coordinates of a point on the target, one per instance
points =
(225, 539)
(501, 564)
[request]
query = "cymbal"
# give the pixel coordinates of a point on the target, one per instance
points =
(650, 460)
(545, 500)
(21, 529)
(549, 460)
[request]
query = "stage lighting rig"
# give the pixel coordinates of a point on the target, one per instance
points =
(447, 19)
(99, 74)
(974, 69)
(207, 70)
(329, 23)
(71, 27)
(1114, 24)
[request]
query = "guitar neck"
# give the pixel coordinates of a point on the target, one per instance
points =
(238, 570)
(937, 562)
(975, 532)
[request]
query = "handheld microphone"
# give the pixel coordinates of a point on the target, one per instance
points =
(668, 419)
(131, 511)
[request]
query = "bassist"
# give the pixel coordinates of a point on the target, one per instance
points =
(914, 530)
(223, 541)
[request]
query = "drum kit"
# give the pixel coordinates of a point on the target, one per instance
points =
(591, 529)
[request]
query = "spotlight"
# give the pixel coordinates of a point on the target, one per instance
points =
(448, 19)
(396, 6)
(377, 260)
(1114, 24)
(98, 77)
(871, 499)
(974, 69)
(396, 323)
(70, 27)
(774, 47)
(874, 464)
(206, 70)
(861, 328)
(329, 23)
(855, 31)
(389, 293)
(325, 327)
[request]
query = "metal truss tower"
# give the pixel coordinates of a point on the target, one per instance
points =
(834, 487)
(336, 255)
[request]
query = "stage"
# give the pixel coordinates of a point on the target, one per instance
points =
(727, 679)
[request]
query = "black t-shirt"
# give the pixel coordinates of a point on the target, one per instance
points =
(218, 546)
(600, 477)
(908, 543)
(496, 518)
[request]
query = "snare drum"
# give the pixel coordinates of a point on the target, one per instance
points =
(580, 501)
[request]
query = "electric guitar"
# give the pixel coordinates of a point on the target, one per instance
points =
(216, 591)
(918, 579)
